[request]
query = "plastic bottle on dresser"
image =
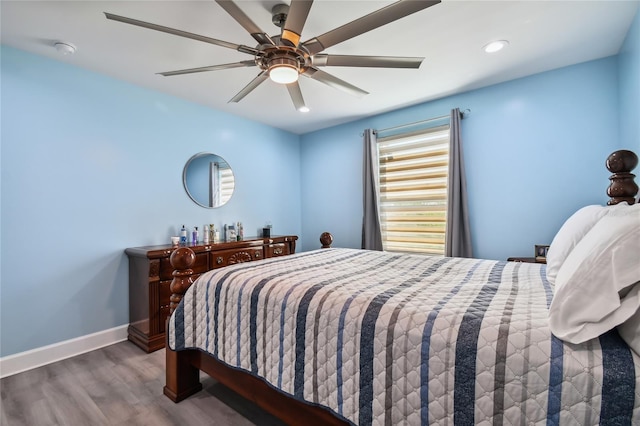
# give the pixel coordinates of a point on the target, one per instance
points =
(194, 235)
(183, 235)
(240, 231)
(205, 234)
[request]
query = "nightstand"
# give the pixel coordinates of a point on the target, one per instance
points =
(526, 260)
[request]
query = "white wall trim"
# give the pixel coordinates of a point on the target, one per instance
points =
(23, 361)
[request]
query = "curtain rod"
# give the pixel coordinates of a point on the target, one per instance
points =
(442, 117)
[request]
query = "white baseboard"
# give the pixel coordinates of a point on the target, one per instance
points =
(23, 361)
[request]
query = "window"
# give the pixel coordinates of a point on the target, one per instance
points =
(413, 190)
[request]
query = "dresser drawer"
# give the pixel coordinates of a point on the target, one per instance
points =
(223, 258)
(274, 250)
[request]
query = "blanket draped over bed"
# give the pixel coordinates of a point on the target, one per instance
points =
(383, 338)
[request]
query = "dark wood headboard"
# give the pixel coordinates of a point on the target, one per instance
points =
(622, 187)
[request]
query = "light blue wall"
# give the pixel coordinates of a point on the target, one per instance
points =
(629, 89)
(534, 150)
(92, 165)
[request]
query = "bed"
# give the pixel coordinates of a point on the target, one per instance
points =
(346, 336)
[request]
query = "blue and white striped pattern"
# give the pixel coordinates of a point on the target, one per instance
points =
(388, 339)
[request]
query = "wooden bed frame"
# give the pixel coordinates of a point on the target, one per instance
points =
(183, 367)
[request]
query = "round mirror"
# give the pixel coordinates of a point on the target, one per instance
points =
(208, 180)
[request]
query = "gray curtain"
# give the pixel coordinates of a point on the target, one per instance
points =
(458, 234)
(371, 233)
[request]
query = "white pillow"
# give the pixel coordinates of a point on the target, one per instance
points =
(598, 285)
(570, 234)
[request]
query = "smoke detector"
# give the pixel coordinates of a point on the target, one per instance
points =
(65, 48)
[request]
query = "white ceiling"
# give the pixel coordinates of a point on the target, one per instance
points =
(543, 35)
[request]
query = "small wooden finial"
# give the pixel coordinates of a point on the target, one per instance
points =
(182, 259)
(622, 187)
(326, 239)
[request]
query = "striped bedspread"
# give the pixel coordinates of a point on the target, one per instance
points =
(389, 339)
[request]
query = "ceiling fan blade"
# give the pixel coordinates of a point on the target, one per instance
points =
(210, 68)
(296, 18)
(324, 60)
(238, 47)
(236, 13)
(249, 87)
(367, 23)
(334, 82)
(296, 95)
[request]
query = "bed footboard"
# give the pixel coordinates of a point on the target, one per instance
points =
(190, 362)
(182, 376)
(183, 367)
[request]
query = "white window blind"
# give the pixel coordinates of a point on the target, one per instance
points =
(221, 185)
(227, 184)
(413, 190)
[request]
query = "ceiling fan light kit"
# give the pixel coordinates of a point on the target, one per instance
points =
(282, 58)
(283, 65)
(283, 73)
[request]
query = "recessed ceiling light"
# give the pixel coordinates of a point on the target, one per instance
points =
(304, 109)
(65, 48)
(495, 46)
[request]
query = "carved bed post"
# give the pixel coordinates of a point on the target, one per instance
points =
(326, 239)
(182, 378)
(182, 259)
(622, 187)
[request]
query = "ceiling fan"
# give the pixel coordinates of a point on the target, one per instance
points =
(282, 58)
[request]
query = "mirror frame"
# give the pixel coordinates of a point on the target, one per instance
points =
(197, 156)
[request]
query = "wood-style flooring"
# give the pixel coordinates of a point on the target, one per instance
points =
(117, 385)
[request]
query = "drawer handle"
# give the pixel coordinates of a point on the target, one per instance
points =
(277, 251)
(219, 260)
(257, 254)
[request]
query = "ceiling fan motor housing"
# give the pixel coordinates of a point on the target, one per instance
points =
(294, 58)
(283, 61)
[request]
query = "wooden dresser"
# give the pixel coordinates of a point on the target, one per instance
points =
(150, 275)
